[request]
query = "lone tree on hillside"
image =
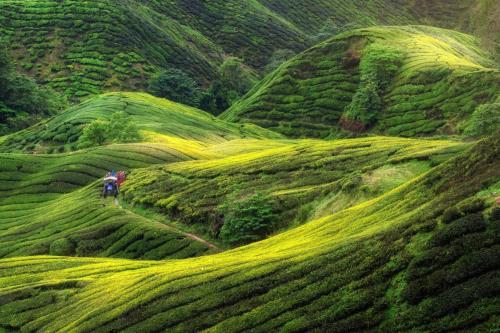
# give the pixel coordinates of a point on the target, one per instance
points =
(247, 220)
(176, 86)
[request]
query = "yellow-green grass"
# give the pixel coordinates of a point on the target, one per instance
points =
(395, 263)
(51, 204)
(158, 118)
(444, 76)
(302, 175)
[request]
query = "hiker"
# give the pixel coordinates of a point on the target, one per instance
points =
(121, 178)
(110, 186)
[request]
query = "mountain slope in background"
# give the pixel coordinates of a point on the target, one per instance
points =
(154, 116)
(84, 48)
(440, 77)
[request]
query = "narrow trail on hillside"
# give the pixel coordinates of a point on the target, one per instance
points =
(174, 229)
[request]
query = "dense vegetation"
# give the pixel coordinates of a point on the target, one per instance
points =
(158, 119)
(291, 166)
(22, 101)
(393, 264)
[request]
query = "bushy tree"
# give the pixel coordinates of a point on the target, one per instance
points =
(235, 80)
(248, 219)
(176, 86)
(119, 129)
(94, 134)
(484, 121)
(378, 67)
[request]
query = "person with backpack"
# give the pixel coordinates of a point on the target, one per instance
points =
(121, 178)
(110, 186)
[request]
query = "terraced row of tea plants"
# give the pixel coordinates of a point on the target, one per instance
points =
(440, 77)
(303, 179)
(422, 257)
(85, 48)
(50, 204)
(159, 119)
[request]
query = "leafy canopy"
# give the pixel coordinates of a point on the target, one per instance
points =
(248, 219)
(484, 121)
(378, 67)
(119, 129)
(177, 86)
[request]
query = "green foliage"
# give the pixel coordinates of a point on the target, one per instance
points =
(235, 79)
(484, 121)
(22, 101)
(94, 134)
(119, 129)
(429, 80)
(366, 104)
(177, 86)
(247, 219)
(378, 66)
(62, 247)
(277, 59)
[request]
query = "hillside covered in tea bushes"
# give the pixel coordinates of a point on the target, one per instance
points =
(405, 81)
(419, 258)
(249, 166)
(84, 48)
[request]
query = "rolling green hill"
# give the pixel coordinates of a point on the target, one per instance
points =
(422, 257)
(306, 178)
(160, 119)
(354, 187)
(440, 77)
(50, 204)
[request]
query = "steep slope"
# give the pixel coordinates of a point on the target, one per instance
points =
(158, 118)
(84, 48)
(396, 263)
(50, 204)
(439, 78)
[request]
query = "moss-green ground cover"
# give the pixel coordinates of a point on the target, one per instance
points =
(421, 257)
(443, 77)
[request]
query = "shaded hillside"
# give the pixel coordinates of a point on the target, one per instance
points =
(160, 120)
(420, 258)
(84, 48)
(438, 79)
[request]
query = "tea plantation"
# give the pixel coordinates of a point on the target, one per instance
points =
(344, 176)
(439, 78)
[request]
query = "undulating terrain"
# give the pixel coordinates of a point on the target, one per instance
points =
(354, 188)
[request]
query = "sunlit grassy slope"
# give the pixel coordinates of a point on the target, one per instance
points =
(50, 204)
(395, 263)
(444, 76)
(160, 119)
(306, 177)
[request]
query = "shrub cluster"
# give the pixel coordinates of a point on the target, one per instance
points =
(248, 219)
(119, 129)
(378, 66)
